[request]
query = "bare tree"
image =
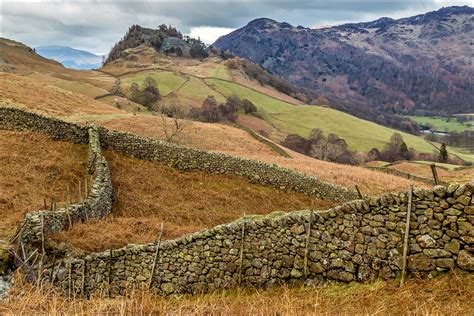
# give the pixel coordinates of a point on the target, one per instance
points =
(172, 118)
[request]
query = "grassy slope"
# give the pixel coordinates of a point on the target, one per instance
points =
(167, 81)
(462, 153)
(441, 124)
(227, 139)
(41, 96)
(34, 168)
(211, 78)
(360, 135)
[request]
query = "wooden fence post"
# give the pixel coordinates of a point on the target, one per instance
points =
(86, 189)
(155, 259)
(435, 173)
(40, 273)
(80, 191)
(306, 250)
(407, 232)
(42, 233)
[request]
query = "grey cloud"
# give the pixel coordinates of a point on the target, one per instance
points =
(96, 25)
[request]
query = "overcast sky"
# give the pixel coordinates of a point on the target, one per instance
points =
(96, 25)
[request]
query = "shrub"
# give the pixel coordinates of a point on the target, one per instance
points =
(443, 153)
(249, 107)
(396, 149)
(212, 112)
(333, 148)
(148, 96)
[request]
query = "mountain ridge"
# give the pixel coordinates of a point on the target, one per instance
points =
(410, 65)
(71, 57)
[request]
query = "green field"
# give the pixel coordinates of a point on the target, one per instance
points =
(167, 81)
(359, 134)
(462, 153)
(443, 124)
(196, 88)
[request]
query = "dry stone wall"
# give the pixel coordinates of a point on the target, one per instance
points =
(357, 241)
(22, 120)
(179, 157)
(406, 175)
(98, 204)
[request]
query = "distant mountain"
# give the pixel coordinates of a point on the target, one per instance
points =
(70, 57)
(421, 64)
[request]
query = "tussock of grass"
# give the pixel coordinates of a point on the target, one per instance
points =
(149, 193)
(450, 294)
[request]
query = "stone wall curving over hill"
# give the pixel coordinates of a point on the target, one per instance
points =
(98, 204)
(179, 157)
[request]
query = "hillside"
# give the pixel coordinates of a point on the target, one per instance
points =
(103, 212)
(193, 80)
(412, 65)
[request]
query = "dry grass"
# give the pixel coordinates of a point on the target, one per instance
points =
(41, 97)
(214, 137)
(70, 85)
(424, 170)
(370, 182)
(32, 168)
(226, 139)
(149, 193)
(449, 294)
(259, 125)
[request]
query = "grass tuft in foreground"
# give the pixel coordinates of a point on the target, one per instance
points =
(448, 294)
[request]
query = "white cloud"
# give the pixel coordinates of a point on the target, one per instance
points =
(209, 34)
